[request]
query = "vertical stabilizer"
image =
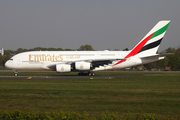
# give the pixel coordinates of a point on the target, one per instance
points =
(151, 42)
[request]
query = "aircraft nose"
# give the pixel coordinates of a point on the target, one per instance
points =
(7, 64)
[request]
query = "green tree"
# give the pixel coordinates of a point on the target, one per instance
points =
(59, 49)
(170, 50)
(126, 49)
(86, 48)
(1, 60)
(174, 62)
(163, 63)
(67, 49)
(9, 52)
(177, 52)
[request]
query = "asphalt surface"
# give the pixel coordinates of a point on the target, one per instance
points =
(68, 77)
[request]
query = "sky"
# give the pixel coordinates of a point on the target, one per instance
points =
(104, 24)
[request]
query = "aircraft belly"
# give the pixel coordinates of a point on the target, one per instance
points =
(128, 63)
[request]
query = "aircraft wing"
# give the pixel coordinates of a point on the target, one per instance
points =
(95, 62)
(157, 55)
(102, 62)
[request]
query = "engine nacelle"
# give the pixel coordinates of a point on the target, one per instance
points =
(62, 68)
(82, 66)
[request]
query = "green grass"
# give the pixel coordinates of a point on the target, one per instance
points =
(152, 94)
(68, 115)
(53, 73)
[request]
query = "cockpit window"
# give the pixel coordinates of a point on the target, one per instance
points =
(11, 59)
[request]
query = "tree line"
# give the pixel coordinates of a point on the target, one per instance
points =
(172, 61)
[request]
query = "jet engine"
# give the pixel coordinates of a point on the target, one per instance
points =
(82, 66)
(62, 68)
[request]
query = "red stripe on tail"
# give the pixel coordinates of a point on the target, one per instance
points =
(136, 49)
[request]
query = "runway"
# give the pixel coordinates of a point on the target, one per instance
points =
(68, 77)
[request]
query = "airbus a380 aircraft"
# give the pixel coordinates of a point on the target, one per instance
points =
(89, 61)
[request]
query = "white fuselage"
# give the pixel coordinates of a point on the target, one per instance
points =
(43, 59)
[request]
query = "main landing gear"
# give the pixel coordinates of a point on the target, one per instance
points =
(86, 74)
(91, 74)
(15, 72)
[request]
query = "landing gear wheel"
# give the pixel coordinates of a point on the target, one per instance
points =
(15, 74)
(91, 74)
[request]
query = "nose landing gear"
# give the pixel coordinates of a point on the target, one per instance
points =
(15, 72)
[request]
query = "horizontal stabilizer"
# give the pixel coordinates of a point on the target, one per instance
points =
(157, 55)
